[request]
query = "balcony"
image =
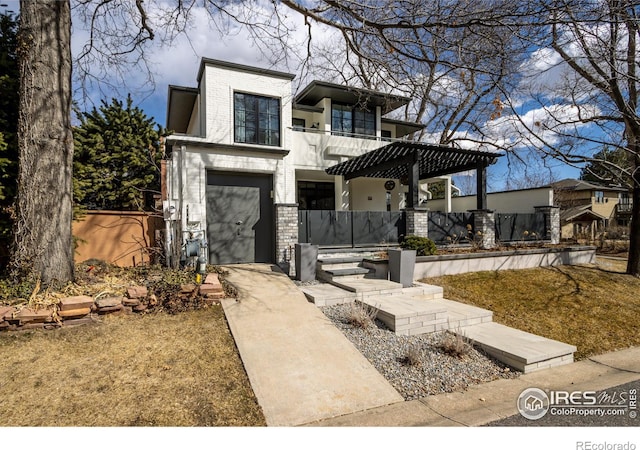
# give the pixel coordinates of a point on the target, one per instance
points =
(322, 149)
(624, 208)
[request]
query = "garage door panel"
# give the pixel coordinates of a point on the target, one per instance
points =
(239, 218)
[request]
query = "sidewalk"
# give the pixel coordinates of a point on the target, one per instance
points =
(496, 400)
(305, 372)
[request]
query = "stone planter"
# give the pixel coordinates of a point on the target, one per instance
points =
(401, 266)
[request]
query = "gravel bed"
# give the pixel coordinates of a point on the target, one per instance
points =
(435, 372)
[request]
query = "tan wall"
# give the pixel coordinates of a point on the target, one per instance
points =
(119, 237)
(523, 201)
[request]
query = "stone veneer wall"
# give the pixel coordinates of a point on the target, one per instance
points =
(417, 222)
(484, 221)
(552, 218)
(286, 236)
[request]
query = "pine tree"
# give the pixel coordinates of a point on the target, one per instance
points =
(609, 166)
(117, 157)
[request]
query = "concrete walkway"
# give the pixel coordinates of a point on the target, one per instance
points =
(301, 367)
(305, 372)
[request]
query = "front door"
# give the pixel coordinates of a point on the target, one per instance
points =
(239, 218)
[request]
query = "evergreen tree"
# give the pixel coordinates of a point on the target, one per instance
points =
(609, 166)
(8, 125)
(117, 157)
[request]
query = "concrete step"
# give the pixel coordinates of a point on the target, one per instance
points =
(332, 265)
(410, 315)
(407, 316)
(327, 294)
(366, 287)
(523, 351)
(352, 273)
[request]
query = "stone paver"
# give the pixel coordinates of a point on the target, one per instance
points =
(524, 351)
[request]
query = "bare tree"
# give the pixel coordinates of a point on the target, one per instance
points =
(589, 50)
(42, 232)
(118, 35)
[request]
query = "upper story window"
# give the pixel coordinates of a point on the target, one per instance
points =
(599, 195)
(347, 119)
(623, 198)
(257, 119)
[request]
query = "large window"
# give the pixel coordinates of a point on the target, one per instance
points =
(316, 195)
(257, 119)
(599, 195)
(346, 119)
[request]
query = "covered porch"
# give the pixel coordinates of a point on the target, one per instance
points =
(396, 172)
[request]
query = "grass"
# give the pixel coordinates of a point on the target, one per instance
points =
(136, 370)
(595, 308)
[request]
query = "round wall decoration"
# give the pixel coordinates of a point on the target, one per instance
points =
(389, 185)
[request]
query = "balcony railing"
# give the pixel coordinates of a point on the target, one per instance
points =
(345, 134)
(624, 208)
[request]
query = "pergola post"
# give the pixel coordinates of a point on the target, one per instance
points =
(413, 169)
(481, 186)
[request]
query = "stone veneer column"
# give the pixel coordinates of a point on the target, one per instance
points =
(484, 220)
(417, 222)
(286, 236)
(552, 222)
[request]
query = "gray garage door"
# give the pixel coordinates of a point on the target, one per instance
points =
(239, 218)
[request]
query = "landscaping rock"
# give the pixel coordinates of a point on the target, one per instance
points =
(130, 301)
(210, 289)
(110, 309)
(81, 321)
(187, 288)
(139, 308)
(77, 302)
(212, 278)
(35, 315)
(153, 300)
(74, 313)
(137, 292)
(6, 312)
(108, 302)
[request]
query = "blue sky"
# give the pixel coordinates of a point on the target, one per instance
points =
(177, 64)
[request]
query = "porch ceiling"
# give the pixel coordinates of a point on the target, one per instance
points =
(393, 161)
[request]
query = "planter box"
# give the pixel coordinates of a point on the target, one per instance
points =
(402, 266)
(452, 264)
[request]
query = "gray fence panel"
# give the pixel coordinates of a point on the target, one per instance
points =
(377, 227)
(450, 228)
(303, 229)
(331, 228)
(520, 227)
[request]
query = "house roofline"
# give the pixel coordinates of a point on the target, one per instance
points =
(241, 67)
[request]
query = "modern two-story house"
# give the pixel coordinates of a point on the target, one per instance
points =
(247, 155)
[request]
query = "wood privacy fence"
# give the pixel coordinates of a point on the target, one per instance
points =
(124, 238)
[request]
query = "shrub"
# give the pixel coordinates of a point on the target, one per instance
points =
(422, 245)
(413, 356)
(361, 315)
(455, 344)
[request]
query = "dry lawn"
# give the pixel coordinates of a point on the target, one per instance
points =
(136, 370)
(595, 308)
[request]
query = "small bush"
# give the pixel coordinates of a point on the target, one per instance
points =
(413, 356)
(455, 344)
(422, 245)
(361, 315)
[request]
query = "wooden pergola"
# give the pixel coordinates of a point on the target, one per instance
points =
(416, 161)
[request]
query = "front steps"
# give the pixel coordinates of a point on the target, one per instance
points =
(422, 309)
(334, 265)
(523, 351)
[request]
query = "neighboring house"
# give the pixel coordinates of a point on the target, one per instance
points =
(586, 207)
(247, 158)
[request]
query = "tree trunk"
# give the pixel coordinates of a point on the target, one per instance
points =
(633, 263)
(43, 247)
